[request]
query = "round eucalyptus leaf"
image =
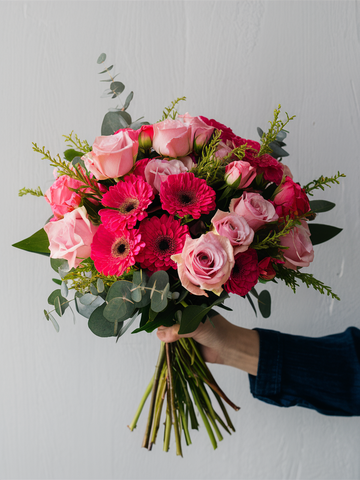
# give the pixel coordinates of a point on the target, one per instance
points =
(64, 289)
(159, 300)
(99, 325)
(86, 310)
(117, 87)
(101, 58)
(119, 309)
(128, 100)
(100, 285)
(87, 299)
(93, 289)
(121, 288)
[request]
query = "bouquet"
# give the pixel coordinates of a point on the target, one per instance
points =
(159, 223)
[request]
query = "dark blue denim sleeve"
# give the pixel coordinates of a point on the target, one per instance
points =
(319, 373)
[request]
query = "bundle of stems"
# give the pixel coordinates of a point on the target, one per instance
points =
(178, 383)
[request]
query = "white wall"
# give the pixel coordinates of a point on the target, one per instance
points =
(66, 398)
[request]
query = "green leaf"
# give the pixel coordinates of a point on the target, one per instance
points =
(54, 322)
(114, 121)
(107, 70)
(117, 87)
(101, 58)
(191, 318)
(128, 100)
(322, 233)
(57, 281)
(100, 285)
(319, 206)
(79, 162)
(264, 302)
(99, 325)
(165, 318)
(159, 300)
(277, 151)
(60, 303)
(56, 263)
(93, 289)
(119, 289)
(251, 303)
(70, 154)
(86, 310)
(37, 243)
(119, 309)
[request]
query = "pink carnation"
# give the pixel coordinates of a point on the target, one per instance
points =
(185, 194)
(114, 252)
(128, 201)
(244, 276)
(163, 237)
(62, 197)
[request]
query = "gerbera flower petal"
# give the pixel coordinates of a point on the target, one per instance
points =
(244, 276)
(127, 202)
(163, 237)
(184, 194)
(114, 252)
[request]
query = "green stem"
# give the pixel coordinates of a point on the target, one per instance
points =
(141, 406)
(158, 406)
(167, 426)
(184, 423)
(158, 367)
(172, 401)
(203, 416)
(211, 413)
(226, 415)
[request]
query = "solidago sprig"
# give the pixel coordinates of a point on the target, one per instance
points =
(276, 126)
(25, 191)
(321, 182)
(74, 141)
(171, 112)
(273, 238)
(208, 165)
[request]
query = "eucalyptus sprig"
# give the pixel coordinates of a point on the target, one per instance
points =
(25, 191)
(171, 111)
(276, 125)
(322, 182)
(290, 278)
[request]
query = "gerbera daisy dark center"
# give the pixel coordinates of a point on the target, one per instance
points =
(187, 198)
(120, 248)
(165, 244)
(129, 205)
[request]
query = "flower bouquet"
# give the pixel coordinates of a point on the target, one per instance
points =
(159, 223)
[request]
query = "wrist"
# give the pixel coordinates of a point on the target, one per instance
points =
(242, 349)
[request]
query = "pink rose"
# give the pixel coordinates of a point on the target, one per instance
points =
(157, 171)
(112, 156)
(235, 228)
(61, 199)
(172, 138)
(201, 132)
(205, 263)
(291, 199)
(254, 208)
(223, 150)
(242, 170)
(300, 251)
(70, 238)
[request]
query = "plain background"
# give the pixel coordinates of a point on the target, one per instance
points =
(66, 398)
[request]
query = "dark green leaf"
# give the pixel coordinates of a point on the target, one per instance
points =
(37, 243)
(70, 154)
(184, 293)
(191, 318)
(107, 70)
(114, 121)
(322, 233)
(56, 263)
(165, 318)
(93, 289)
(119, 309)
(57, 281)
(260, 132)
(319, 206)
(281, 136)
(60, 303)
(99, 325)
(117, 87)
(121, 288)
(278, 151)
(264, 302)
(251, 303)
(101, 58)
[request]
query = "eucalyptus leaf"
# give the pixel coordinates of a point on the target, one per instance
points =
(54, 322)
(113, 122)
(121, 288)
(322, 233)
(128, 100)
(126, 326)
(59, 302)
(165, 318)
(319, 206)
(86, 310)
(278, 151)
(99, 325)
(100, 285)
(101, 58)
(107, 70)
(281, 136)
(159, 300)
(36, 243)
(119, 309)
(93, 289)
(260, 132)
(57, 305)
(56, 263)
(87, 299)
(70, 154)
(117, 87)
(64, 289)
(264, 302)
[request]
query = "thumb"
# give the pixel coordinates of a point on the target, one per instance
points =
(170, 334)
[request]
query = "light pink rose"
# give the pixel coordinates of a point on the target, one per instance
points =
(300, 250)
(61, 199)
(172, 138)
(200, 130)
(237, 169)
(254, 208)
(205, 263)
(112, 156)
(235, 228)
(188, 162)
(223, 150)
(157, 171)
(70, 238)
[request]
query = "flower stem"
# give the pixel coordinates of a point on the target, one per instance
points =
(211, 413)
(203, 416)
(141, 406)
(158, 367)
(167, 426)
(172, 401)
(158, 406)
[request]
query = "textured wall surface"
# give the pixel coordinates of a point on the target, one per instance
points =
(66, 398)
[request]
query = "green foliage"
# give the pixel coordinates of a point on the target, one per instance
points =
(37, 243)
(320, 206)
(81, 146)
(291, 277)
(269, 140)
(322, 182)
(208, 166)
(322, 233)
(100, 326)
(27, 191)
(272, 240)
(170, 111)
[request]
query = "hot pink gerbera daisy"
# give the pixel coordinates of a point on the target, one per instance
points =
(114, 252)
(128, 201)
(185, 194)
(244, 276)
(163, 237)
